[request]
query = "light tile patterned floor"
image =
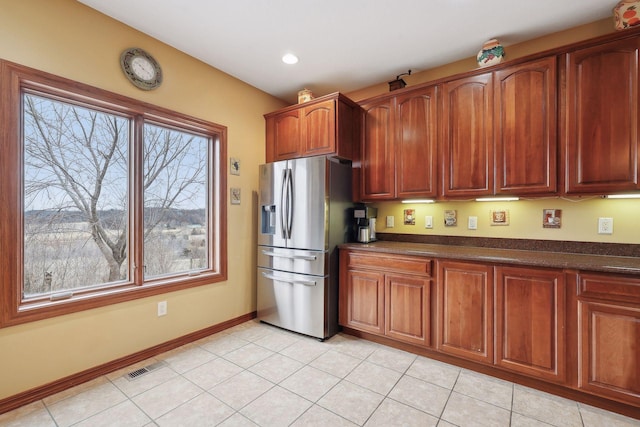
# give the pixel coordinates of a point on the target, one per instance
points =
(258, 375)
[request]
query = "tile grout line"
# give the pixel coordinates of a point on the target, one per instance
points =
(341, 380)
(444, 407)
(513, 391)
(386, 396)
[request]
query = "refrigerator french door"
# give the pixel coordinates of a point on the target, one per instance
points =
(303, 215)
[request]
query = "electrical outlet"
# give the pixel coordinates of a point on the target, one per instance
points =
(473, 223)
(390, 221)
(162, 308)
(605, 225)
(428, 221)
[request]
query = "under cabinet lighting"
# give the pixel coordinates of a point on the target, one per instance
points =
(419, 201)
(497, 199)
(623, 196)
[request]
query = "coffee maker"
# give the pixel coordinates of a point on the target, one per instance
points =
(365, 223)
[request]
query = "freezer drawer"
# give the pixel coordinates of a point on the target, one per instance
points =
(292, 301)
(298, 260)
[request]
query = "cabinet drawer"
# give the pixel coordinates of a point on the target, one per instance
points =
(612, 288)
(391, 263)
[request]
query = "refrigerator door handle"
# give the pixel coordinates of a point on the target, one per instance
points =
(283, 204)
(292, 281)
(289, 203)
(303, 257)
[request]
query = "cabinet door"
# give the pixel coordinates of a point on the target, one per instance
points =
(319, 128)
(601, 118)
(609, 336)
(407, 308)
(468, 136)
(610, 350)
(377, 159)
(363, 299)
(283, 133)
(525, 128)
(416, 138)
(530, 322)
(465, 310)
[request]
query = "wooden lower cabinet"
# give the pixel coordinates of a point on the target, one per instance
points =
(530, 321)
(363, 301)
(609, 336)
(388, 295)
(407, 300)
(570, 332)
(465, 310)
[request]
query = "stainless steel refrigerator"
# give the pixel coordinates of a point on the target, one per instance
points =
(303, 215)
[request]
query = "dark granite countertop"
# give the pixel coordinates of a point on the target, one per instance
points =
(574, 261)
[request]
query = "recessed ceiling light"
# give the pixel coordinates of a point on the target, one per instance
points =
(290, 59)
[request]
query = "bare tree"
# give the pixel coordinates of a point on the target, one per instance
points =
(77, 160)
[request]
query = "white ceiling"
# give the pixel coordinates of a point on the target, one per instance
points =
(343, 45)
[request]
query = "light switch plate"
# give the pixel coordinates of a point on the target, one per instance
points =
(390, 221)
(473, 223)
(428, 221)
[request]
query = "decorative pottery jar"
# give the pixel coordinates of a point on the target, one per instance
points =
(305, 95)
(492, 53)
(626, 14)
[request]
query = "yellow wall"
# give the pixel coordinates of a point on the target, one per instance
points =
(519, 50)
(579, 219)
(68, 39)
(580, 216)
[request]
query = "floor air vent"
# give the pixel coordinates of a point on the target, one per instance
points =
(142, 371)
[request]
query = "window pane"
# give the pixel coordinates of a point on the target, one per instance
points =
(176, 229)
(75, 196)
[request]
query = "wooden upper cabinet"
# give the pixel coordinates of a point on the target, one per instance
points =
(284, 132)
(567, 123)
(416, 143)
(600, 121)
(377, 153)
(525, 128)
(399, 146)
(467, 136)
(319, 128)
(324, 126)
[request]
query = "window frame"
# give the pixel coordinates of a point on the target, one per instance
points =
(15, 78)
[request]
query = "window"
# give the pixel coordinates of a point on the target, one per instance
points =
(175, 202)
(107, 199)
(75, 197)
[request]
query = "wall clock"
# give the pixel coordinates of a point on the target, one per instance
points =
(141, 68)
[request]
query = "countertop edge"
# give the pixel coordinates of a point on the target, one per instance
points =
(558, 260)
